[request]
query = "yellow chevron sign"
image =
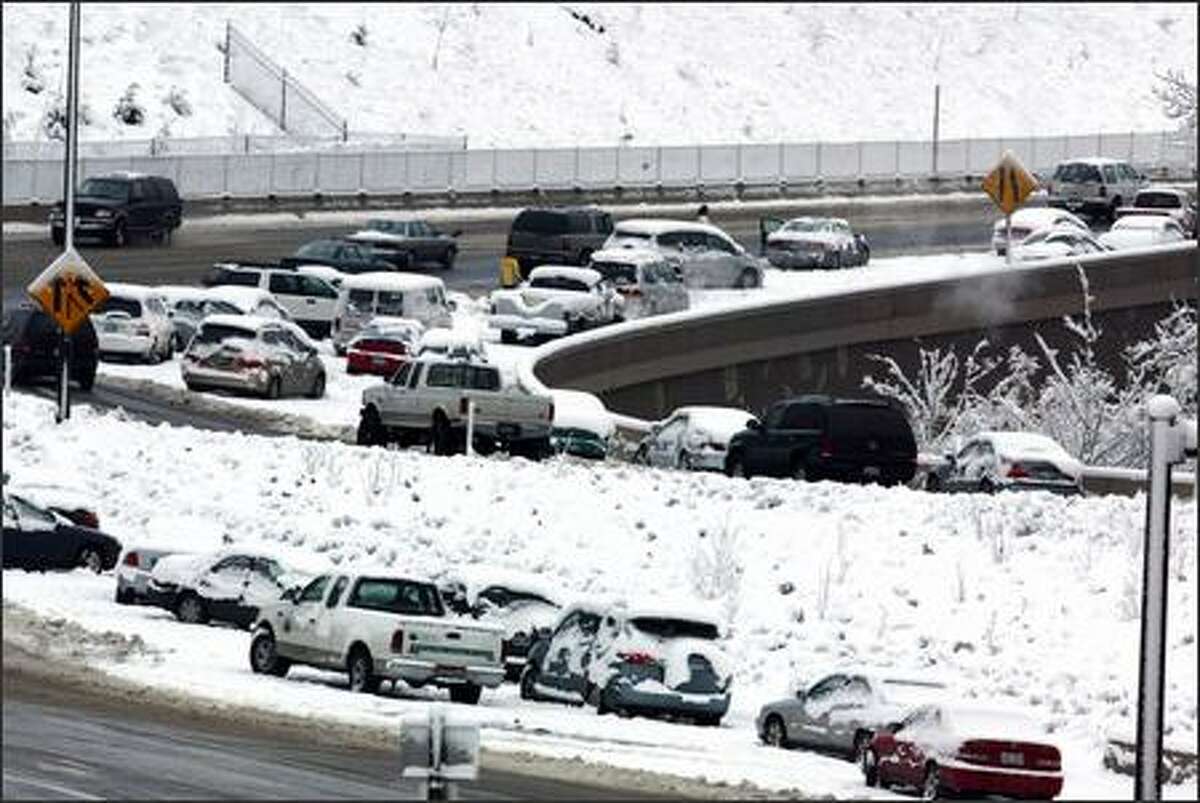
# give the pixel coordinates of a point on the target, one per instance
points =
(1009, 183)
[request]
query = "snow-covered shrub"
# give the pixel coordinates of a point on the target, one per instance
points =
(128, 110)
(1178, 97)
(54, 118)
(32, 80)
(176, 99)
(379, 476)
(715, 569)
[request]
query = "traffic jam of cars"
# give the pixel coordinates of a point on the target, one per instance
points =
(368, 305)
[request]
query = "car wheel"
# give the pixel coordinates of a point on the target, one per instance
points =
(124, 596)
(528, 678)
(598, 699)
(862, 741)
(800, 471)
(685, 461)
(774, 732)
(318, 387)
(87, 381)
(442, 437)
(870, 767)
(933, 483)
(370, 429)
(837, 261)
(120, 235)
(708, 720)
(932, 788)
(467, 694)
(642, 456)
(274, 388)
(508, 337)
(361, 670)
(190, 609)
(736, 467)
(91, 559)
(986, 486)
(264, 660)
(747, 279)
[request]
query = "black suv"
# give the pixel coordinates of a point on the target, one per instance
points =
(35, 338)
(557, 236)
(117, 206)
(821, 437)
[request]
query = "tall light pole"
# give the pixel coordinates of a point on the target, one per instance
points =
(69, 171)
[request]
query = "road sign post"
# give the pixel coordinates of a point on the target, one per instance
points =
(438, 752)
(1008, 185)
(69, 168)
(1171, 441)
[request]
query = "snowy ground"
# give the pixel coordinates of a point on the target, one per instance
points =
(642, 74)
(1025, 601)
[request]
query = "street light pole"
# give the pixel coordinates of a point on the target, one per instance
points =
(64, 349)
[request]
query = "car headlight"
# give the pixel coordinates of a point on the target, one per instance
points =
(104, 213)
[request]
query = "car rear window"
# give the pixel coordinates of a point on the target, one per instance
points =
(540, 221)
(1157, 200)
(119, 304)
(216, 333)
(618, 273)
(675, 628)
(884, 424)
(396, 596)
(559, 283)
(1077, 172)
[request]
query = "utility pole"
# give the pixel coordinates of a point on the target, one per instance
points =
(69, 169)
(937, 99)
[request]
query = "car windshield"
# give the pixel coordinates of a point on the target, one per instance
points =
(105, 188)
(807, 225)
(1158, 200)
(559, 283)
(619, 273)
(216, 333)
(675, 628)
(131, 306)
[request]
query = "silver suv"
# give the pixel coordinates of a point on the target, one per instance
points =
(1094, 186)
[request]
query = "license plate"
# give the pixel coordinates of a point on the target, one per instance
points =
(111, 327)
(1012, 759)
(379, 361)
(507, 430)
(871, 471)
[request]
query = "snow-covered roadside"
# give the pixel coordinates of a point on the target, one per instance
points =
(1025, 600)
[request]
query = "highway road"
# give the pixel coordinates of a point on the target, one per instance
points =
(892, 229)
(62, 743)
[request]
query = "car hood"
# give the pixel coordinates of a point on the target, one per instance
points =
(92, 201)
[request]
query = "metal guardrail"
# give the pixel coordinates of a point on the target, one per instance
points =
(593, 168)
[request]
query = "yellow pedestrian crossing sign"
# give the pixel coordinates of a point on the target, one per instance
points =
(1009, 183)
(68, 290)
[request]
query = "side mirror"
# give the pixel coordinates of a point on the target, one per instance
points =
(289, 595)
(754, 424)
(452, 305)
(801, 694)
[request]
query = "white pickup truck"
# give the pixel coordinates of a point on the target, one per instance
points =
(426, 401)
(557, 300)
(377, 627)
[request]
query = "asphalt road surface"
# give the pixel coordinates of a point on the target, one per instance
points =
(892, 229)
(66, 746)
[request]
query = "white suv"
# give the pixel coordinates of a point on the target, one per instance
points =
(309, 299)
(707, 256)
(134, 322)
(1095, 186)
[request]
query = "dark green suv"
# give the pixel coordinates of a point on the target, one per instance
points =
(822, 437)
(118, 206)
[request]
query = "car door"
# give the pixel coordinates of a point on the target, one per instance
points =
(813, 726)
(295, 629)
(320, 299)
(426, 247)
(392, 402)
(726, 260)
(797, 427)
(285, 287)
(327, 624)
(28, 534)
(279, 356)
(223, 587)
(665, 443)
(261, 587)
(756, 457)
(564, 669)
(305, 362)
(846, 712)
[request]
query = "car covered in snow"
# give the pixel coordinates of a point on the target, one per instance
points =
(38, 539)
(394, 294)
(704, 254)
(693, 438)
(1177, 204)
(1095, 186)
(250, 301)
(377, 626)
(134, 322)
(1057, 242)
(61, 495)
(958, 750)
(226, 586)
(995, 461)
(134, 572)
(813, 242)
(408, 243)
(525, 605)
(633, 658)
(188, 306)
(383, 345)
(1029, 219)
(264, 356)
(556, 300)
(582, 425)
(648, 283)
(1140, 231)
(842, 710)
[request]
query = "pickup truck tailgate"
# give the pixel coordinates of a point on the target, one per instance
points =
(521, 408)
(449, 644)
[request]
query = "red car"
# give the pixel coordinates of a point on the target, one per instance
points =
(381, 349)
(953, 750)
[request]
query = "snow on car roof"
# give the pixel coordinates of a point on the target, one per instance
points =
(585, 275)
(1037, 216)
(653, 226)
(722, 419)
(581, 410)
(139, 291)
(1150, 222)
(478, 576)
(1024, 443)
(174, 293)
(239, 295)
(688, 610)
(629, 255)
(396, 281)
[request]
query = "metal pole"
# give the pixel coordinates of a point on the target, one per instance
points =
(7, 369)
(1154, 604)
(937, 100)
(64, 347)
(470, 427)
(283, 100)
(1008, 240)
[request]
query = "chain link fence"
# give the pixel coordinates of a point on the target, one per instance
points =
(389, 171)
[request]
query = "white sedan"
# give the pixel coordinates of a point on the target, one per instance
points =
(1026, 221)
(1059, 241)
(693, 438)
(993, 461)
(1138, 231)
(557, 300)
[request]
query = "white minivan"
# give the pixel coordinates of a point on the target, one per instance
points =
(308, 299)
(403, 295)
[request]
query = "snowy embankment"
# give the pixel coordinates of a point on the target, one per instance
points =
(1023, 601)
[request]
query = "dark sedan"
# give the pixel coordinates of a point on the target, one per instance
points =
(408, 243)
(343, 256)
(35, 340)
(35, 538)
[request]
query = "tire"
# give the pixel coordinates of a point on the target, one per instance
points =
(361, 672)
(528, 678)
(154, 355)
(124, 596)
(443, 436)
(708, 721)
(120, 235)
(264, 660)
(190, 609)
(87, 381)
(274, 388)
(748, 278)
(931, 789)
(862, 741)
(598, 699)
(837, 261)
(585, 256)
(537, 449)
(642, 456)
(869, 763)
(318, 387)
(508, 337)
(986, 486)
(91, 559)
(684, 462)
(370, 429)
(775, 732)
(467, 694)
(933, 483)
(736, 467)
(800, 471)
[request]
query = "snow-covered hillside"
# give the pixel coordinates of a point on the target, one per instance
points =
(564, 74)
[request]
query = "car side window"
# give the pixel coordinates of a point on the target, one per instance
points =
(416, 375)
(672, 239)
(568, 624)
(336, 594)
(283, 283)
(137, 192)
(418, 228)
(400, 378)
(156, 306)
(823, 688)
(671, 429)
(314, 591)
(443, 375)
(312, 286)
(589, 623)
(1110, 174)
(716, 243)
(231, 564)
(273, 337)
(775, 415)
(802, 416)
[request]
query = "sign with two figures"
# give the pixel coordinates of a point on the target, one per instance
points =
(68, 290)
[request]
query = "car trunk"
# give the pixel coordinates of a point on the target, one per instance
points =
(445, 642)
(872, 435)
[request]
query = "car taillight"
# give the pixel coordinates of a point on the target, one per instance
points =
(826, 446)
(88, 519)
(131, 559)
(398, 641)
(637, 658)
(142, 330)
(1017, 471)
(550, 417)
(629, 291)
